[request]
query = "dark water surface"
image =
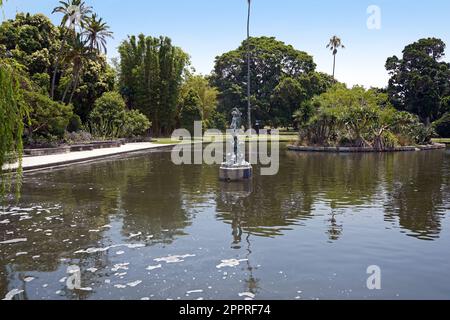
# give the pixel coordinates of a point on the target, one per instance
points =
(141, 227)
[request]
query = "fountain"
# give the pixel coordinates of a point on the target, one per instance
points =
(235, 168)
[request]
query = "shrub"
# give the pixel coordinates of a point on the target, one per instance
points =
(136, 124)
(47, 117)
(442, 126)
(108, 116)
(75, 124)
(77, 137)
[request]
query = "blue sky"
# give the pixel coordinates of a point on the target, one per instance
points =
(207, 28)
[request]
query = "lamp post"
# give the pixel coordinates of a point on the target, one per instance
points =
(248, 69)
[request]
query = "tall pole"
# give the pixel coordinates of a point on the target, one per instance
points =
(248, 69)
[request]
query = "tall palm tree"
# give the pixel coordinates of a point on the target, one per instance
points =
(75, 13)
(79, 55)
(96, 32)
(334, 45)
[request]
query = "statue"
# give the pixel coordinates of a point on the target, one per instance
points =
(236, 168)
(236, 122)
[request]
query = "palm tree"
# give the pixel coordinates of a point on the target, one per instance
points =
(334, 45)
(79, 55)
(75, 14)
(96, 32)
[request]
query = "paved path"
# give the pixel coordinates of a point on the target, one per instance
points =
(42, 162)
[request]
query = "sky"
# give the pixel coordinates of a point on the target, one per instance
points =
(207, 28)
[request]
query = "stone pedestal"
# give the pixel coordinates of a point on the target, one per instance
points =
(235, 173)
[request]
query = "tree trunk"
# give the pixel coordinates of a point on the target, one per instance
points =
(334, 65)
(55, 72)
(75, 86)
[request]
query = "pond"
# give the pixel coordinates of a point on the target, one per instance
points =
(141, 227)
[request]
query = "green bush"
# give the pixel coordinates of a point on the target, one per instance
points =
(75, 124)
(136, 124)
(108, 116)
(442, 126)
(217, 121)
(47, 117)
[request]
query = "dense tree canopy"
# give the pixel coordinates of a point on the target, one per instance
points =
(151, 75)
(420, 81)
(275, 68)
(82, 74)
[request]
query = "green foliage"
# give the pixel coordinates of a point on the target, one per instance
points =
(75, 124)
(442, 126)
(359, 118)
(207, 95)
(190, 111)
(277, 71)
(56, 54)
(151, 71)
(13, 112)
(217, 121)
(47, 117)
(107, 118)
(420, 81)
(32, 40)
(136, 124)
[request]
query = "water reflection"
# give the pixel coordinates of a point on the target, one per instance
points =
(134, 210)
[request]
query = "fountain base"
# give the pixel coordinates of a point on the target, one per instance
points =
(235, 172)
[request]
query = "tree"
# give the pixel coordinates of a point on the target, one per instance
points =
(207, 95)
(151, 75)
(420, 81)
(75, 13)
(359, 118)
(334, 45)
(107, 118)
(287, 97)
(47, 117)
(79, 55)
(190, 111)
(13, 111)
(96, 32)
(272, 60)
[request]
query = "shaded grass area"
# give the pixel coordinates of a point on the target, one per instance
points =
(442, 140)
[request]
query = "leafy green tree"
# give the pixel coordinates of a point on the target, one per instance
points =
(442, 126)
(47, 117)
(420, 81)
(97, 32)
(334, 45)
(286, 99)
(96, 79)
(271, 61)
(151, 74)
(190, 111)
(207, 95)
(135, 124)
(108, 116)
(13, 112)
(31, 40)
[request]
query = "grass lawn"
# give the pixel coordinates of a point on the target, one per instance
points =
(446, 140)
(283, 137)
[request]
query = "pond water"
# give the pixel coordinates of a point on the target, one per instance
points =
(142, 228)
